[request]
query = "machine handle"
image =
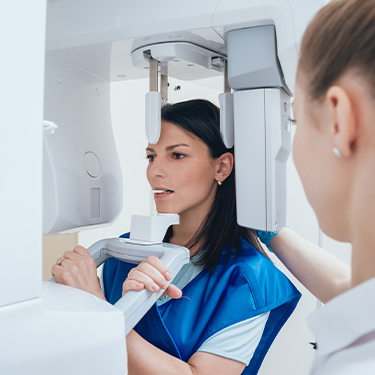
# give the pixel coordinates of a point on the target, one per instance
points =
(133, 304)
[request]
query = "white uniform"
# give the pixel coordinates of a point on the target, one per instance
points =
(345, 333)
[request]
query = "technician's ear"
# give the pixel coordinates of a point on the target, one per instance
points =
(224, 166)
(343, 119)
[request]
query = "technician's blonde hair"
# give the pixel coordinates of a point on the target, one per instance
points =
(340, 38)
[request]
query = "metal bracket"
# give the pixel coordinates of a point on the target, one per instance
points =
(153, 74)
(154, 101)
(226, 111)
(164, 89)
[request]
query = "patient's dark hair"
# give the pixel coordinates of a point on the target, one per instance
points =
(202, 119)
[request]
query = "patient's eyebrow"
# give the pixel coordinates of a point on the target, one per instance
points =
(169, 148)
(174, 146)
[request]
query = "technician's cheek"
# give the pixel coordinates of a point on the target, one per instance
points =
(302, 160)
(296, 150)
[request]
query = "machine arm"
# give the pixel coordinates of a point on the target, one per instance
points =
(134, 305)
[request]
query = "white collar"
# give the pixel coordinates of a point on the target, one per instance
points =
(344, 319)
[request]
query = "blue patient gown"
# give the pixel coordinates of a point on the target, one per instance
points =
(237, 290)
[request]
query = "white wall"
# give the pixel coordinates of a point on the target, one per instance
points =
(291, 354)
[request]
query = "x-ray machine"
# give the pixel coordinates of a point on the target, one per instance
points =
(59, 162)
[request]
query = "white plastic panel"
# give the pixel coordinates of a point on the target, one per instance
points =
(107, 21)
(67, 331)
(82, 175)
(152, 228)
(290, 18)
(123, 26)
(262, 146)
(226, 118)
(239, 14)
(153, 116)
(252, 60)
(278, 146)
(22, 35)
(250, 156)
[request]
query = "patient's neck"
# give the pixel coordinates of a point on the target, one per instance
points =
(190, 222)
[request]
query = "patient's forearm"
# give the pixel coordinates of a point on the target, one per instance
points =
(324, 275)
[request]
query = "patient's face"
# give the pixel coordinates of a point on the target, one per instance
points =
(181, 164)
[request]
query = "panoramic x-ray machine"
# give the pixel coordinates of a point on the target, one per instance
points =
(83, 45)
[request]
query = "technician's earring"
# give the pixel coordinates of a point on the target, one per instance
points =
(337, 152)
(220, 182)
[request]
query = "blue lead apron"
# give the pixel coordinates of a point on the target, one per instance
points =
(237, 290)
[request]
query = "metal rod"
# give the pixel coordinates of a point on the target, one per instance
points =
(153, 74)
(226, 83)
(164, 88)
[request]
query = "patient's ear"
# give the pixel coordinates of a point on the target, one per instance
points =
(343, 121)
(224, 166)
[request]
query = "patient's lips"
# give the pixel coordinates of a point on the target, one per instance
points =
(161, 192)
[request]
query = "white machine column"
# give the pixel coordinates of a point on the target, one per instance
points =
(262, 146)
(261, 103)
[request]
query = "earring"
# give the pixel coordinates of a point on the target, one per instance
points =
(337, 152)
(220, 182)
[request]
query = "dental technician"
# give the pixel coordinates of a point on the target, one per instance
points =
(334, 152)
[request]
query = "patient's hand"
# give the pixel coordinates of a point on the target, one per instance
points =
(77, 269)
(152, 275)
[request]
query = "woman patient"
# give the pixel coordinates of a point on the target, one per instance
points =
(235, 300)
